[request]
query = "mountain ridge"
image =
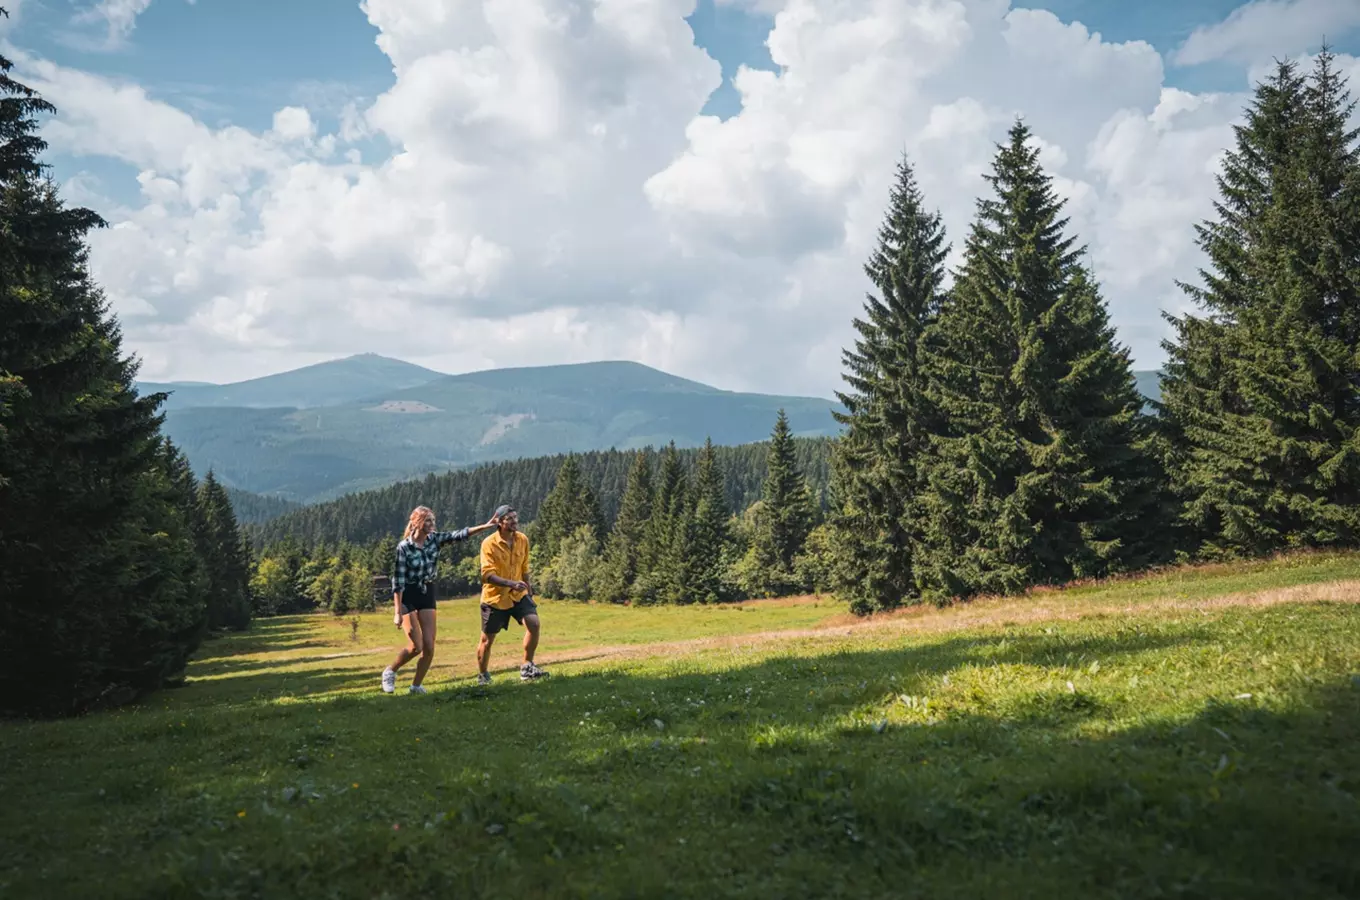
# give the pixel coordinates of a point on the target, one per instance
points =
(328, 383)
(356, 435)
(359, 423)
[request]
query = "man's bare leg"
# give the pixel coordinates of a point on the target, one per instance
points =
(530, 637)
(484, 652)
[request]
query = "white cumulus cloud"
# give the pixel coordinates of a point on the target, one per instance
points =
(553, 193)
(118, 17)
(1264, 28)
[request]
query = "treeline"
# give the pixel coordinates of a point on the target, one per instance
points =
(675, 537)
(994, 438)
(470, 495)
(114, 560)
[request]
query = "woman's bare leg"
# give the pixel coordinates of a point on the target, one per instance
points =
(411, 626)
(426, 630)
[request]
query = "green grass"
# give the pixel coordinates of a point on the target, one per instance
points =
(1154, 738)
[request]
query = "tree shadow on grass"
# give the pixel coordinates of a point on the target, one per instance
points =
(264, 636)
(222, 665)
(1042, 797)
(273, 683)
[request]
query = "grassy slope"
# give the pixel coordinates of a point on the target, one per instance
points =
(1196, 734)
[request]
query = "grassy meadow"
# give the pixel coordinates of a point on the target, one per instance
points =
(1190, 734)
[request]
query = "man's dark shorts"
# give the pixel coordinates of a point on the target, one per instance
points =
(494, 620)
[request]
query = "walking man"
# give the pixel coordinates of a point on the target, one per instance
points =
(506, 593)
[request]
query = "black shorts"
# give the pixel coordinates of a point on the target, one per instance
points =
(417, 597)
(494, 620)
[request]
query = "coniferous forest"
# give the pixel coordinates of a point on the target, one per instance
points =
(114, 560)
(993, 438)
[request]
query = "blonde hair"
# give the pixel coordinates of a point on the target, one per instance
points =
(419, 516)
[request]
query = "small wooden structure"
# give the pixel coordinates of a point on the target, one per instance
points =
(382, 589)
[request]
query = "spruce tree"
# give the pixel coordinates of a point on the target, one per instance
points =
(226, 557)
(788, 513)
(569, 505)
(706, 540)
(658, 561)
(185, 489)
(784, 522)
(1260, 394)
(1039, 467)
(92, 532)
(623, 551)
(886, 419)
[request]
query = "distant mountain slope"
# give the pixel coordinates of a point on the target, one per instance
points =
(256, 509)
(324, 384)
(1149, 384)
(389, 429)
(583, 379)
(454, 421)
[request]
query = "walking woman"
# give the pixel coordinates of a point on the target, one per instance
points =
(413, 592)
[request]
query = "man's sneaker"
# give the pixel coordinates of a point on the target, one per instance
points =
(529, 672)
(483, 678)
(418, 689)
(389, 681)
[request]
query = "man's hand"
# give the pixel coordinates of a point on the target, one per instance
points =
(507, 583)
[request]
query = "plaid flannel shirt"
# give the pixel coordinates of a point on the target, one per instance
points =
(416, 565)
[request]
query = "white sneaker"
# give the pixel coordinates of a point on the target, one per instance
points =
(483, 678)
(418, 689)
(389, 681)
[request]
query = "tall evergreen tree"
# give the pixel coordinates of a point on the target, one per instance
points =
(623, 550)
(886, 418)
(91, 532)
(785, 518)
(788, 513)
(1039, 469)
(226, 558)
(660, 555)
(184, 488)
(571, 504)
(706, 539)
(1260, 395)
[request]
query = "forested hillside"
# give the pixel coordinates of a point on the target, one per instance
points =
(468, 497)
(253, 509)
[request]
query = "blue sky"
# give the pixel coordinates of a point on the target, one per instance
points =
(729, 232)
